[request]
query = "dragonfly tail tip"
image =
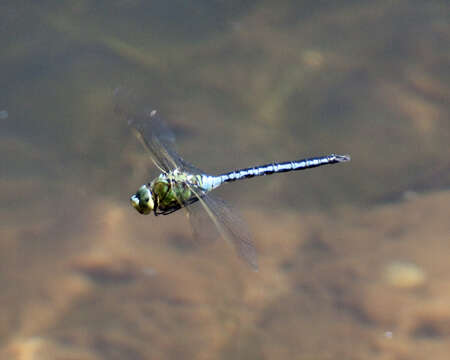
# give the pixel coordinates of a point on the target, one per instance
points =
(342, 158)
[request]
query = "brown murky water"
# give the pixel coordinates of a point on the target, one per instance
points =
(353, 258)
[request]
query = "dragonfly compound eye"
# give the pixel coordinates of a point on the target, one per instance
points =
(142, 201)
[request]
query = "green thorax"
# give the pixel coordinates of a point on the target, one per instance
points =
(172, 191)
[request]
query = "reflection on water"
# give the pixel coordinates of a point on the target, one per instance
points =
(352, 259)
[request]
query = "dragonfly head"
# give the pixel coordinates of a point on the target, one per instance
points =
(142, 201)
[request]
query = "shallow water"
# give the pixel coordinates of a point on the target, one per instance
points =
(353, 257)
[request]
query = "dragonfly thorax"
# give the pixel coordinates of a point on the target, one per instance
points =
(171, 191)
(142, 201)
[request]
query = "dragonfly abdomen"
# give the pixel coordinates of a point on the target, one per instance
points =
(287, 166)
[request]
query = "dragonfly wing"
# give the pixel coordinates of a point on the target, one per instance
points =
(232, 227)
(188, 167)
(228, 223)
(150, 129)
(203, 229)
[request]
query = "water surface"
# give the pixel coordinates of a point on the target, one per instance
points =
(353, 260)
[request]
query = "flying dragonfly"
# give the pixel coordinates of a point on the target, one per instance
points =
(180, 184)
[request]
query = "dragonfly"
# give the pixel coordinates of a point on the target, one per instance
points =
(180, 184)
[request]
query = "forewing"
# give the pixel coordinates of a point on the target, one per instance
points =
(150, 129)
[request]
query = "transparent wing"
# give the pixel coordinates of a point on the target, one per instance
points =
(204, 231)
(228, 223)
(150, 129)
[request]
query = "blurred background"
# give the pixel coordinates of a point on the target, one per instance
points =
(354, 260)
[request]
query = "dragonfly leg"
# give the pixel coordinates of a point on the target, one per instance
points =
(159, 200)
(156, 201)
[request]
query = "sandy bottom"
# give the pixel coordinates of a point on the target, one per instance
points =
(109, 284)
